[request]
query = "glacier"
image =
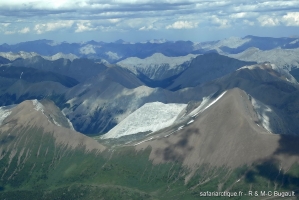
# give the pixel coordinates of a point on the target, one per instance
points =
(263, 112)
(150, 117)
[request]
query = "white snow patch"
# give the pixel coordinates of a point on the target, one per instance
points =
(214, 101)
(199, 109)
(25, 55)
(57, 56)
(205, 104)
(170, 133)
(22, 54)
(152, 117)
(295, 41)
(69, 122)
(157, 41)
(113, 56)
(190, 122)
(5, 111)
(143, 141)
(263, 112)
(87, 49)
(37, 105)
(56, 123)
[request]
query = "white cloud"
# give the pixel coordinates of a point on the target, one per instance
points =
(114, 20)
(291, 19)
(52, 26)
(182, 25)
(9, 32)
(268, 21)
(5, 24)
(238, 15)
(244, 15)
(132, 15)
(221, 23)
(134, 23)
(84, 26)
(146, 28)
(24, 30)
(247, 22)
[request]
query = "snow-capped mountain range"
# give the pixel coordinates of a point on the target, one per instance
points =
(25, 55)
(165, 72)
(152, 120)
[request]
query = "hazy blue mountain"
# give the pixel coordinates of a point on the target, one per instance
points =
(79, 69)
(237, 137)
(119, 50)
(4, 60)
(20, 83)
(205, 68)
(31, 75)
(175, 127)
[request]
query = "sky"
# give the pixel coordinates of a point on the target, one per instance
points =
(136, 21)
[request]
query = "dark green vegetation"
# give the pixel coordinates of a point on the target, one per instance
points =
(39, 168)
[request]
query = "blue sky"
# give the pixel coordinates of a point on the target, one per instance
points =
(132, 20)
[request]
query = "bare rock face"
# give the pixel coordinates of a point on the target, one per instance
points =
(157, 66)
(283, 58)
(250, 118)
(227, 133)
(32, 118)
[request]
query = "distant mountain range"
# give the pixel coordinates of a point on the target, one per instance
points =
(117, 51)
(154, 120)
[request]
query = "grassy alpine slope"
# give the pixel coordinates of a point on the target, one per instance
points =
(49, 171)
(39, 160)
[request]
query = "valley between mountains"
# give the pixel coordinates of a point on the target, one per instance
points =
(152, 120)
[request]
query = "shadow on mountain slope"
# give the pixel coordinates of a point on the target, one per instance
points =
(179, 150)
(277, 178)
(288, 145)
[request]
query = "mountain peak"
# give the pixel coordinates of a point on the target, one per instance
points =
(120, 41)
(44, 115)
